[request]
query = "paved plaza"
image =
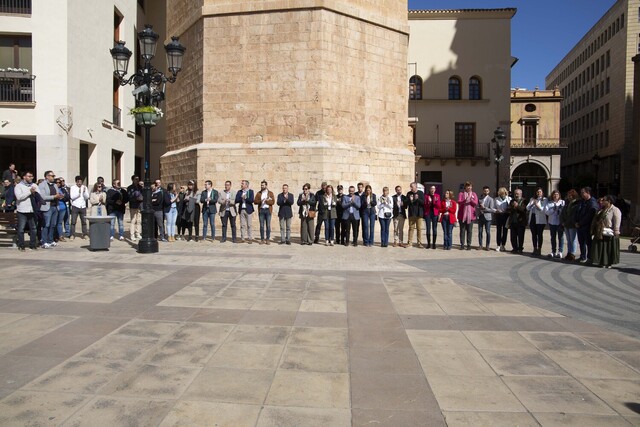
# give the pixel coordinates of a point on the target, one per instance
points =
(251, 335)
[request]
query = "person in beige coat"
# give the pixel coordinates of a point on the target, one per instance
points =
(227, 211)
(97, 201)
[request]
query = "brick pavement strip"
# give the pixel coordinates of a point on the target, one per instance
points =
(204, 334)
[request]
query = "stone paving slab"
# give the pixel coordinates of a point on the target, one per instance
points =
(233, 335)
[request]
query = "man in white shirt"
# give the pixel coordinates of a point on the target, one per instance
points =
(228, 211)
(245, 199)
(24, 192)
(486, 207)
(264, 200)
(79, 196)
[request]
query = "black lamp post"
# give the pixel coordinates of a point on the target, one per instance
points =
(595, 161)
(499, 139)
(149, 90)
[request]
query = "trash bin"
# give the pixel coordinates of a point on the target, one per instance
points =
(99, 232)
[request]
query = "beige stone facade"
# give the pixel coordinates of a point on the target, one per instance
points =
(596, 81)
(536, 147)
(454, 129)
(290, 94)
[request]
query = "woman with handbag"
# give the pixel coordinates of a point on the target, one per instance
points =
(448, 218)
(307, 212)
(328, 212)
(385, 212)
(605, 228)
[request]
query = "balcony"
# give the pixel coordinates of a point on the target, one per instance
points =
(15, 7)
(538, 143)
(449, 150)
(20, 90)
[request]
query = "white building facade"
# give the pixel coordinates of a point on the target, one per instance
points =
(63, 110)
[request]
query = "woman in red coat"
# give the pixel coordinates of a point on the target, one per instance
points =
(448, 217)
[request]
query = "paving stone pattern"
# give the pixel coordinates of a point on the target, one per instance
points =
(233, 335)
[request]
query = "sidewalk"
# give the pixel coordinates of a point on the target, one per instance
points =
(233, 335)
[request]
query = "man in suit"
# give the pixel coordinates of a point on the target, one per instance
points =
(285, 213)
(431, 214)
(339, 210)
(360, 193)
(244, 200)
(319, 219)
(50, 196)
(351, 215)
(486, 207)
(264, 200)
(415, 201)
(228, 211)
(587, 208)
(399, 216)
(209, 198)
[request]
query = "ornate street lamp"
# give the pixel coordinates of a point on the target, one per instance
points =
(149, 89)
(595, 161)
(499, 139)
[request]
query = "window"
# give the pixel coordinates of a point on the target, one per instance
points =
(475, 89)
(465, 139)
(608, 84)
(15, 52)
(606, 138)
(415, 87)
(530, 130)
(454, 88)
(606, 111)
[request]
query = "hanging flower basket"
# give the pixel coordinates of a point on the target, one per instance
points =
(146, 116)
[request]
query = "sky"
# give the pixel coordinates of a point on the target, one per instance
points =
(538, 48)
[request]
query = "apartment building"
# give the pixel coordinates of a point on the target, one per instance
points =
(536, 147)
(60, 106)
(459, 79)
(596, 82)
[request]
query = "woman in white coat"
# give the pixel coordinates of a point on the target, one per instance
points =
(537, 219)
(553, 209)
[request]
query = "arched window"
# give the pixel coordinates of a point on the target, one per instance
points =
(454, 88)
(475, 88)
(415, 87)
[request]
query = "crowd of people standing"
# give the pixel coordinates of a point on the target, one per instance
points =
(589, 227)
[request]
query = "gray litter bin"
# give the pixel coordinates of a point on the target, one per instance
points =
(99, 232)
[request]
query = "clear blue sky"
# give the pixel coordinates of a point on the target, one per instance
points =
(538, 47)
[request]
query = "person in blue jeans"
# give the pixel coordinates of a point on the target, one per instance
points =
(264, 200)
(328, 212)
(369, 203)
(172, 215)
(385, 213)
(448, 217)
(117, 199)
(62, 211)
(209, 199)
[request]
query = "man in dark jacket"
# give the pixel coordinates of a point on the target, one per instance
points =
(587, 208)
(285, 213)
(8, 196)
(339, 210)
(117, 198)
(399, 216)
(134, 192)
(415, 200)
(319, 219)
(158, 206)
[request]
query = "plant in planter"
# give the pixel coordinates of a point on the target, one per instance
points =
(146, 115)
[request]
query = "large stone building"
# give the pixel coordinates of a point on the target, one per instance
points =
(459, 76)
(63, 110)
(596, 82)
(536, 148)
(290, 92)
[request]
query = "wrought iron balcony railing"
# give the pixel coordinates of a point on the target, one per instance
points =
(17, 89)
(538, 143)
(20, 7)
(451, 150)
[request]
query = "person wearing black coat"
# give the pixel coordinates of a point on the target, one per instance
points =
(307, 212)
(117, 199)
(285, 213)
(339, 210)
(415, 200)
(587, 208)
(400, 203)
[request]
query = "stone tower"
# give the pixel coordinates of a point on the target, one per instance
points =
(290, 92)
